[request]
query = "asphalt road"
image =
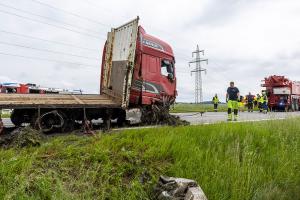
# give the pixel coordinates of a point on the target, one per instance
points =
(215, 117)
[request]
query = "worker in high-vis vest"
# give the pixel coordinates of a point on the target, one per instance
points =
(216, 102)
(241, 104)
(232, 98)
(250, 100)
(265, 103)
(261, 103)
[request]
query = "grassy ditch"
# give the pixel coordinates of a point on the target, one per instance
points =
(229, 160)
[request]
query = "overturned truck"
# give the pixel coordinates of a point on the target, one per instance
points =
(137, 84)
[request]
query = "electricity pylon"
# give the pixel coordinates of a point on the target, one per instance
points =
(198, 74)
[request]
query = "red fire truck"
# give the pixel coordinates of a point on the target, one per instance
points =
(283, 94)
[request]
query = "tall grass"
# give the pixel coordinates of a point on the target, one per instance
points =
(229, 160)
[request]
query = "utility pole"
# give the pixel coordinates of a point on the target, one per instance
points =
(198, 74)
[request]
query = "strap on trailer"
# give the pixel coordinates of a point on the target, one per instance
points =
(87, 124)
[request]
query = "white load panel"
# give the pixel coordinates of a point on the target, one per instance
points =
(124, 43)
(119, 61)
(282, 90)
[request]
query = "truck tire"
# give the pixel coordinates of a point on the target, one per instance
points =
(50, 122)
(16, 117)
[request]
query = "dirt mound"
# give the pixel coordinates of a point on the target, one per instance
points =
(161, 115)
(21, 137)
(172, 120)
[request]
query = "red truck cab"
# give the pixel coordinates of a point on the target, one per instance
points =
(154, 78)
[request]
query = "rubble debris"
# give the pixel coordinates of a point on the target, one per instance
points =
(169, 188)
(161, 115)
(172, 120)
(21, 137)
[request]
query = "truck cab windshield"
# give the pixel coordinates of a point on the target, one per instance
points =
(167, 69)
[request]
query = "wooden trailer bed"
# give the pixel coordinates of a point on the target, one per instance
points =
(11, 101)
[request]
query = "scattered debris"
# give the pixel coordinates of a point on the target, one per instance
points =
(169, 188)
(21, 137)
(161, 115)
(145, 177)
(172, 120)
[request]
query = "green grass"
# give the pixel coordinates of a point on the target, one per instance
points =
(191, 107)
(229, 160)
(5, 115)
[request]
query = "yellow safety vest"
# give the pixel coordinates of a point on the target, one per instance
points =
(265, 99)
(215, 100)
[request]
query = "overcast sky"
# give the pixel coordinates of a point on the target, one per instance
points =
(244, 40)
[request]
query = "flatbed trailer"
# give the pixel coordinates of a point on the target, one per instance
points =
(60, 113)
(52, 112)
(35, 101)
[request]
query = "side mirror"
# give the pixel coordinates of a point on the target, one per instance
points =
(171, 77)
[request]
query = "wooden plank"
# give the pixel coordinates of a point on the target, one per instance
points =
(77, 99)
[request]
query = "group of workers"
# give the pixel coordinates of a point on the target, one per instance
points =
(236, 102)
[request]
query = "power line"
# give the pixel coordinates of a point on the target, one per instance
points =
(48, 18)
(97, 6)
(94, 4)
(46, 50)
(57, 26)
(70, 13)
(49, 60)
(45, 40)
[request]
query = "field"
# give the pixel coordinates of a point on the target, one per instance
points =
(191, 107)
(229, 160)
(5, 115)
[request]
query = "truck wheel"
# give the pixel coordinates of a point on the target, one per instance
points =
(51, 121)
(121, 120)
(16, 117)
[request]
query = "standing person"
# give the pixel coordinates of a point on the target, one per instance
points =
(254, 101)
(241, 104)
(265, 103)
(258, 99)
(249, 101)
(261, 103)
(232, 98)
(216, 102)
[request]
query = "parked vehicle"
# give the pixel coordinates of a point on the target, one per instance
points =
(282, 93)
(137, 84)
